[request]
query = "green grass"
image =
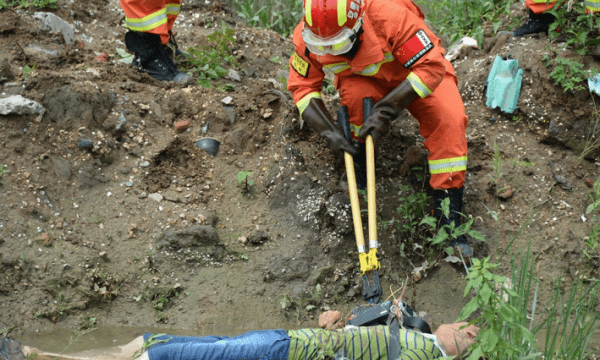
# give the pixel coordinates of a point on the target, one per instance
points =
(278, 15)
(11, 4)
(459, 18)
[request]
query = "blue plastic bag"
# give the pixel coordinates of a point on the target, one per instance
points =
(504, 85)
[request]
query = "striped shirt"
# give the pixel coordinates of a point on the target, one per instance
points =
(365, 343)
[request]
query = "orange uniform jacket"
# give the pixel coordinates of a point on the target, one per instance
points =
(396, 46)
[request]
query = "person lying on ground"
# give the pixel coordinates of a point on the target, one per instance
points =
(332, 340)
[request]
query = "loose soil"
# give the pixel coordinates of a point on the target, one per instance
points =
(142, 230)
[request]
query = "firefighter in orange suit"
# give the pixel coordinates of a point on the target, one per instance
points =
(539, 19)
(382, 49)
(150, 37)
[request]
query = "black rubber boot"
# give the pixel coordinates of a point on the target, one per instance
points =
(152, 58)
(536, 23)
(456, 208)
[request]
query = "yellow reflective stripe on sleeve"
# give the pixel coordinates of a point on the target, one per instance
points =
(355, 129)
(373, 69)
(303, 103)
(173, 9)
(443, 166)
(308, 12)
(341, 10)
(338, 67)
(418, 85)
(592, 5)
(149, 22)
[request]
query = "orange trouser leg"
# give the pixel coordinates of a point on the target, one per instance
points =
(443, 123)
(442, 120)
(173, 8)
(539, 6)
(147, 16)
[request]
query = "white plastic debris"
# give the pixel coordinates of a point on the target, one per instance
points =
(19, 105)
(594, 84)
(457, 48)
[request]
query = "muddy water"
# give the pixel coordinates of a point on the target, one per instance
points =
(439, 294)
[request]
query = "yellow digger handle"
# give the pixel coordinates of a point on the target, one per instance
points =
(369, 261)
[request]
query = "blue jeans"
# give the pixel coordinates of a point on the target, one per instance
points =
(254, 345)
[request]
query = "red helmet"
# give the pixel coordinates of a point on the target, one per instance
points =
(331, 26)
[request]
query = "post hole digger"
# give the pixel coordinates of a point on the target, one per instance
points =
(375, 312)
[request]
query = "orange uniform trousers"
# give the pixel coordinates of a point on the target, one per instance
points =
(539, 6)
(151, 16)
(442, 122)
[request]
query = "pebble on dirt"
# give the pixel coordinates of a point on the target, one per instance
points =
(181, 125)
(19, 105)
(51, 22)
(156, 197)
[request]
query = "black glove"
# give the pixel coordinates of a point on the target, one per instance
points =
(386, 110)
(319, 119)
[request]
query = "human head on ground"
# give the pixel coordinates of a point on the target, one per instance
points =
(456, 338)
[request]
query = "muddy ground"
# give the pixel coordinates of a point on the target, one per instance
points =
(137, 229)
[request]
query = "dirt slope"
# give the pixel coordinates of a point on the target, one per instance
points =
(139, 229)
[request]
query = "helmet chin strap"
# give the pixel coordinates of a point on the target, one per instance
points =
(352, 52)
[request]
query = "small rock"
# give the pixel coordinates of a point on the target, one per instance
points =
(85, 144)
(143, 195)
(144, 164)
(243, 240)
(227, 100)
(19, 105)
(506, 193)
(51, 22)
(156, 197)
(258, 237)
(128, 183)
(181, 125)
(492, 119)
(230, 112)
(101, 58)
(233, 75)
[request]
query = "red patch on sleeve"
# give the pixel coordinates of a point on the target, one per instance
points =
(413, 49)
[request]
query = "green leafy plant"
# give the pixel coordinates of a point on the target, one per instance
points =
(593, 240)
(503, 310)
(151, 341)
(567, 73)
(28, 71)
(10, 4)
(2, 172)
(243, 179)
(580, 30)
(317, 294)
(207, 61)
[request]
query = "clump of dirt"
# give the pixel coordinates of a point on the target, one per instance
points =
(111, 212)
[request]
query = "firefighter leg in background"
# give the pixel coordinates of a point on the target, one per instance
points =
(539, 19)
(443, 123)
(150, 24)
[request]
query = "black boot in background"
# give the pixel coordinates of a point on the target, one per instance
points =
(536, 23)
(456, 208)
(153, 59)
